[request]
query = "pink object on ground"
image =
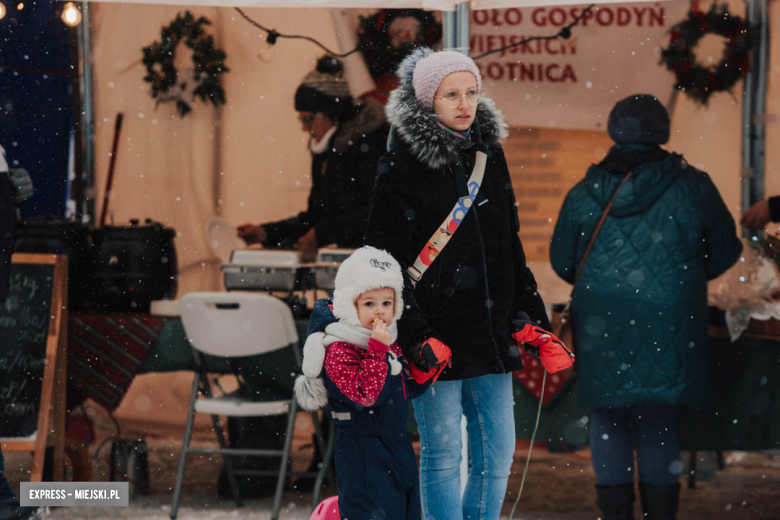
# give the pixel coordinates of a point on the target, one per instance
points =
(327, 510)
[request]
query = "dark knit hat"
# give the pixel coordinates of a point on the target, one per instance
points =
(325, 90)
(639, 119)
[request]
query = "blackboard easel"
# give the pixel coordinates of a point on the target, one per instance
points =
(51, 410)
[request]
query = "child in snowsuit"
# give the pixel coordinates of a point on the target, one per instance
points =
(367, 385)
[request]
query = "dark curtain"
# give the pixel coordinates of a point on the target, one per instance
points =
(35, 100)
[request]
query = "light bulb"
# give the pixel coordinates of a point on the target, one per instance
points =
(71, 15)
(20, 6)
(268, 53)
(2, 11)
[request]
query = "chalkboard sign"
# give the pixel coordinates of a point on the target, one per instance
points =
(24, 327)
(33, 358)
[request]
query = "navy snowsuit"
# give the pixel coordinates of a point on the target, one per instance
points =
(376, 468)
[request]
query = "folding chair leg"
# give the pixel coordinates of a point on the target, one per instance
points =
(285, 457)
(185, 448)
(326, 448)
(228, 461)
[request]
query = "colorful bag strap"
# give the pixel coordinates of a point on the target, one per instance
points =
(443, 234)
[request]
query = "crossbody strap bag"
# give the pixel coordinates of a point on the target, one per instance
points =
(444, 232)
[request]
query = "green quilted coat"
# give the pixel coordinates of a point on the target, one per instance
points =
(640, 307)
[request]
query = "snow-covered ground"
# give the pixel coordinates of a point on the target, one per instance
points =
(560, 486)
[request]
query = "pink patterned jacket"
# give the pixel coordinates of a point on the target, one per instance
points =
(361, 374)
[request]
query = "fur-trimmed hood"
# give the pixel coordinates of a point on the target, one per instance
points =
(417, 127)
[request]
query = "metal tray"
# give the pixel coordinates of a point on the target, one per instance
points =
(261, 270)
(325, 275)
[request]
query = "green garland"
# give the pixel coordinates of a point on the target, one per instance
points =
(697, 81)
(208, 63)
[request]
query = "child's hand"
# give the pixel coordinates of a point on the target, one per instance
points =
(379, 332)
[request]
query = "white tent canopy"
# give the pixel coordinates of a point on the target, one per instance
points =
(432, 5)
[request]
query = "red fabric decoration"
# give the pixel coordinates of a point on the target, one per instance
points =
(531, 379)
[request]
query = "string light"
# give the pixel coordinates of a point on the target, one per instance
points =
(2, 10)
(267, 54)
(20, 6)
(71, 15)
(272, 35)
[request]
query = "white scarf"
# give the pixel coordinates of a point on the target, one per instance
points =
(353, 335)
(321, 146)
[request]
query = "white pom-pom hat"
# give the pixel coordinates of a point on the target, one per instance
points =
(368, 268)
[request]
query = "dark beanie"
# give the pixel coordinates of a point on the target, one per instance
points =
(639, 119)
(325, 90)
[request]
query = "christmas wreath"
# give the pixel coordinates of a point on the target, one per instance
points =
(201, 80)
(388, 36)
(699, 81)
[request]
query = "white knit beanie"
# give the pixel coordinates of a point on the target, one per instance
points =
(426, 69)
(368, 268)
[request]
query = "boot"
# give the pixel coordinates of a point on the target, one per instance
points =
(616, 502)
(659, 502)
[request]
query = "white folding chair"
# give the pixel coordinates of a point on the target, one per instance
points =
(232, 325)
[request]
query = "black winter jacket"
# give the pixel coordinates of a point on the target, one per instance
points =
(474, 288)
(342, 178)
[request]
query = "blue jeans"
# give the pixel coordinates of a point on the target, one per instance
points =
(658, 451)
(487, 403)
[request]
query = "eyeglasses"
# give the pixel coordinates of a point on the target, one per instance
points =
(452, 99)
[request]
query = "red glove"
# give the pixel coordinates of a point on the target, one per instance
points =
(549, 349)
(432, 354)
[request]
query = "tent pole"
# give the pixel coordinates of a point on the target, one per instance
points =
(463, 14)
(754, 109)
(759, 106)
(83, 188)
(747, 123)
(449, 30)
(456, 29)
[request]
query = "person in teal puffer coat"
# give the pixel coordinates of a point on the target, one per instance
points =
(639, 310)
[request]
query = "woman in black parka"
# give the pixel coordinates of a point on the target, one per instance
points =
(472, 290)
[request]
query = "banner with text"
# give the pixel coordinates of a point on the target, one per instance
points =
(612, 53)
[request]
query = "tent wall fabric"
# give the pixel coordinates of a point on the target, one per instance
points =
(572, 83)
(248, 160)
(431, 5)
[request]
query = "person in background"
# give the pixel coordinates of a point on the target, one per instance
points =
(639, 309)
(762, 213)
(10, 195)
(345, 143)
